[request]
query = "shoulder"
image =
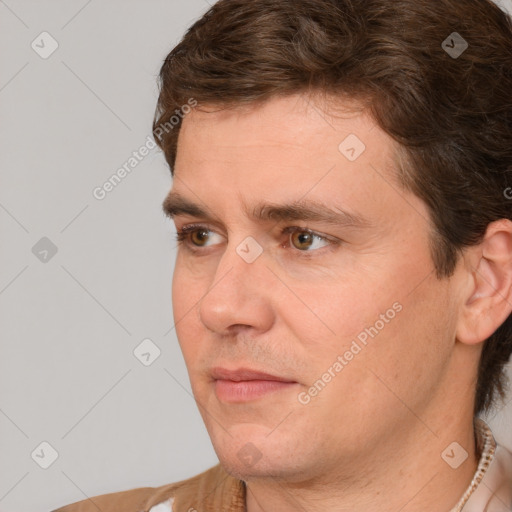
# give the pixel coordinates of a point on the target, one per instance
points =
(143, 498)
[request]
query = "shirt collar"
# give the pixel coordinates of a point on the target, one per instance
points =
(486, 447)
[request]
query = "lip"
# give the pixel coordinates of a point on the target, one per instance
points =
(244, 374)
(244, 384)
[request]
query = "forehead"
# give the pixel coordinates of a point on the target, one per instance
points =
(294, 130)
(284, 150)
(297, 123)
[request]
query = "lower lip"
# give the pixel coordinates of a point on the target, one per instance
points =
(245, 390)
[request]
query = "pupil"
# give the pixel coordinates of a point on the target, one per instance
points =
(305, 238)
(201, 235)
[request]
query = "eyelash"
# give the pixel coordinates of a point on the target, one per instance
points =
(182, 236)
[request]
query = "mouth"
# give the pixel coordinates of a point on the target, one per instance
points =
(244, 384)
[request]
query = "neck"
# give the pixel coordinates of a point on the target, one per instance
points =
(408, 474)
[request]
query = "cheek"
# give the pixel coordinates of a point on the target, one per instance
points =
(376, 316)
(396, 369)
(334, 312)
(187, 292)
(189, 284)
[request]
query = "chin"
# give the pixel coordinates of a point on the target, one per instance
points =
(248, 472)
(251, 454)
(246, 448)
(283, 467)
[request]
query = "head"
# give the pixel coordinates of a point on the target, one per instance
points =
(378, 112)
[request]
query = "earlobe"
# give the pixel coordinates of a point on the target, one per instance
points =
(489, 299)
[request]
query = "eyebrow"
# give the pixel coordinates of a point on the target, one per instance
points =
(306, 210)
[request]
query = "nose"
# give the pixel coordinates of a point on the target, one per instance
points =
(239, 296)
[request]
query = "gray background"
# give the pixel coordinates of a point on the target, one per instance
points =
(71, 323)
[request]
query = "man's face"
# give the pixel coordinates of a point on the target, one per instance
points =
(349, 313)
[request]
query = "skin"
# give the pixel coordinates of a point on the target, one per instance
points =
(372, 439)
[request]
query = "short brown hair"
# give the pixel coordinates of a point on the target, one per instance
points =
(451, 114)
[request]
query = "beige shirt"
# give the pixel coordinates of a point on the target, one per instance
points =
(216, 491)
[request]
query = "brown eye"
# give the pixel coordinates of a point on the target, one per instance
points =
(302, 239)
(199, 237)
(306, 240)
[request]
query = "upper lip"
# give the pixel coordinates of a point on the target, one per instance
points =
(240, 374)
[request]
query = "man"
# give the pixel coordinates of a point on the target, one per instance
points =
(343, 284)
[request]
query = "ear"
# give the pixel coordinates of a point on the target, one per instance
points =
(488, 299)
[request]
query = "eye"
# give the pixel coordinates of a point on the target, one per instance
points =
(198, 236)
(306, 240)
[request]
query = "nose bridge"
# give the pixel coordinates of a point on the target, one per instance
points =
(238, 293)
(242, 264)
